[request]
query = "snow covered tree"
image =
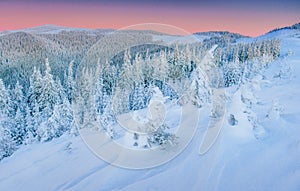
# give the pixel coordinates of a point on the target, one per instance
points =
(187, 62)
(43, 95)
(175, 69)
(160, 67)
(232, 73)
(63, 116)
(5, 101)
(148, 68)
(30, 126)
(7, 142)
(49, 93)
(35, 87)
(121, 100)
(137, 100)
(201, 94)
(60, 91)
(19, 130)
(70, 83)
(126, 79)
(59, 123)
(137, 73)
(85, 100)
(7, 126)
(161, 138)
(18, 99)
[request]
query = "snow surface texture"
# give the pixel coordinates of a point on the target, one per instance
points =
(261, 151)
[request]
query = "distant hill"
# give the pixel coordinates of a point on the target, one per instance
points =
(221, 38)
(220, 34)
(30, 47)
(295, 26)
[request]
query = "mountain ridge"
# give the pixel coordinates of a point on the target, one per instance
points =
(48, 28)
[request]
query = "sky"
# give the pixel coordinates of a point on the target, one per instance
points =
(247, 17)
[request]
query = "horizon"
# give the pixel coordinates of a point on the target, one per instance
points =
(182, 33)
(252, 19)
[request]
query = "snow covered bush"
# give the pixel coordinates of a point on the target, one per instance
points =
(161, 138)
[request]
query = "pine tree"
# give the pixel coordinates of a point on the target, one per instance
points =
(160, 67)
(138, 98)
(60, 91)
(187, 67)
(126, 79)
(70, 84)
(201, 93)
(63, 117)
(137, 74)
(107, 119)
(175, 70)
(18, 99)
(35, 88)
(49, 93)
(19, 130)
(30, 126)
(7, 143)
(121, 100)
(42, 97)
(5, 101)
(85, 102)
(147, 69)
(60, 122)
(99, 90)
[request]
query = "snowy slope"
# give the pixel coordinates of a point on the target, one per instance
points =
(243, 158)
(53, 29)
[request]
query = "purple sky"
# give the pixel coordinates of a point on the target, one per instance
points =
(252, 18)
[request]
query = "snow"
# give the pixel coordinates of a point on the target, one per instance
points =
(53, 29)
(180, 39)
(243, 158)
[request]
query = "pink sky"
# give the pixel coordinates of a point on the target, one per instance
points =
(244, 21)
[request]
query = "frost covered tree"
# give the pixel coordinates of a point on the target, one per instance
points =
(160, 67)
(232, 73)
(121, 100)
(201, 94)
(5, 101)
(175, 69)
(99, 91)
(161, 138)
(19, 129)
(18, 99)
(85, 106)
(70, 83)
(148, 68)
(187, 62)
(49, 92)
(126, 77)
(7, 142)
(43, 95)
(59, 123)
(137, 73)
(137, 100)
(30, 126)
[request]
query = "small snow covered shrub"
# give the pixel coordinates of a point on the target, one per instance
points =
(161, 138)
(232, 121)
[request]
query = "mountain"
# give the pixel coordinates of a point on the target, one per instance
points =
(220, 34)
(30, 47)
(292, 27)
(246, 87)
